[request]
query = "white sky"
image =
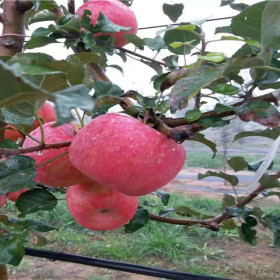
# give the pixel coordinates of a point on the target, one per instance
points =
(149, 13)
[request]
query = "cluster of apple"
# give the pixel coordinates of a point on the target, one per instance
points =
(111, 161)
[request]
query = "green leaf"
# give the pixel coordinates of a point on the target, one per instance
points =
(164, 197)
(11, 250)
(226, 89)
(17, 173)
(228, 224)
(35, 200)
(245, 50)
(188, 87)
(247, 234)
(223, 29)
(274, 224)
(268, 133)
(254, 166)
(228, 200)
(73, 97)
(154, 65)
(156, 43)
(106, 89)
(139, 220)
(166, 211)
(199, 137)
(158, 81)
(43, 16)
(37, 225)
(104, 25)
(213, 57)
(220, 108)
(213, 121)
(172, 62)
(239, 212)
(173, 11)
(38, 42)
(251, 221)
(84, 58)
(186, 211)
(178, 34)
(135, 40)
(237, 163)
(41, 31)
(8, 144)
(269, 181)
(193, 115)
(233, 180)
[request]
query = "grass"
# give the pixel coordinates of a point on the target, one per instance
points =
(204, 160)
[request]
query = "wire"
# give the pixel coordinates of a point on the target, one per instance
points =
(132, 268)
(174, 24)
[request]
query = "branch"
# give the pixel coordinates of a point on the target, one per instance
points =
(7, 152)
(212, 224)
(71, 6)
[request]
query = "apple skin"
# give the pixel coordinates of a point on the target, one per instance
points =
(13, 196)
(99, 208)
(47, 113)
(122, 153)
(60, 172)
(3, 200)
(115, 11)
(12, 134)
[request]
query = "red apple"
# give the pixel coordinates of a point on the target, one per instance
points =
(115, 11)
(12, 133)
(99, 208)
(13, 196)
(60, 172)
(47, 113)
(126, 155)
(3, 200)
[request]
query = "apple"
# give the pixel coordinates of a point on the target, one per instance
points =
(97, 207)
(47, 112)
(3, 200)
(122, 153)
(13, 196)
(115, 11)
(60, 172)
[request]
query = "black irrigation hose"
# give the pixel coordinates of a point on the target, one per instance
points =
(132, 268)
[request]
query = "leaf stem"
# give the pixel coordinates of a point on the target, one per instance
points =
(55, 158)
(79, 117)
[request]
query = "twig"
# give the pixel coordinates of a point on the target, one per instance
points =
(71, 6)
(42, 131)
(213, 224)
(79, 117)
(4, 151)
(55, 158)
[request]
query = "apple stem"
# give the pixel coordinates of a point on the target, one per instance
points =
(212, 224)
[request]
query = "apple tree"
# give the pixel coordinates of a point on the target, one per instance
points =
(104, 160)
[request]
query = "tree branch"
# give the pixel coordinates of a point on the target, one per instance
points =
(9, 152)
(71, 6)
(212, 224)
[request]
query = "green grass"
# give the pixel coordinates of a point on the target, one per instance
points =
(204, 160)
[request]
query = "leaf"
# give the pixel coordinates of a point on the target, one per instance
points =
(106, 89)
(37, 225)
(135, 40)
(268, 133)
(193, 115)
(84, 57)
(164, 197)
(223, 29)
(38, 42)
(178, 34)
(17, 173)
(166, 211)
(73, 97)
(247, 234)
(239, 212)
(156, 43)
(245, 50)
(254, 166)
(220, 108)
(269, 181)
(233, 180)
(228, 224)
(201, 138)
(43, 16)
(172, 62)
(261, 108)
(237, 163)
(41, 240)
(274, 224)
(228, 200)
(213, 57)
(158, 81)
(251, 221)
(226, 89)
(139, 220)
(188, 87)
(154, 65)
(35, 200)
(186, 211)
(213, 121)
(8, 144)
(173, 11)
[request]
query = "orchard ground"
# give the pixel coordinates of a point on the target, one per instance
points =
(195, 250)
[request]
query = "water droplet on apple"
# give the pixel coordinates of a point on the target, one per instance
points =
(39, 153)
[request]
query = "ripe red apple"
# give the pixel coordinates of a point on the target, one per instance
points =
(47, 113)
(3, 200)
(99, 208)
(115, 11)
(13, 196)
(60, 172)
(12, 133)
(126, 155)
